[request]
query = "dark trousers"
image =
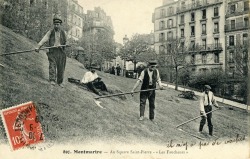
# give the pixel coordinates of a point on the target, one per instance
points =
(150, 95)
(57, 62)
(93, 86)
(209, 120)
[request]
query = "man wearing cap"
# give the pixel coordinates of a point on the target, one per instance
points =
(206, 101)
(93, 81)
(149, 77)
(56, 56)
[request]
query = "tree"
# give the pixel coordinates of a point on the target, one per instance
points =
(138, 49)
(99, 47)
(174, 56)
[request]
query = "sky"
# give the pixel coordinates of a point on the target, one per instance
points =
(128, 16)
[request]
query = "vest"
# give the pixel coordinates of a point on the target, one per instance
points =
(145, 82)
(62, 38)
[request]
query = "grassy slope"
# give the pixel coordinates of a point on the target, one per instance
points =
(72, 116)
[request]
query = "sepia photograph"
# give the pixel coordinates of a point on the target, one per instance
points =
(124, 79)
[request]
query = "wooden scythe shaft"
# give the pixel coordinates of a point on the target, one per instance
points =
(196, 118)
(19, 52)
(118, 94)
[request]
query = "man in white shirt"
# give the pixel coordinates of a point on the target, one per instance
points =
(149, 77)
(56, 56)
(93, 81)
(207, 100)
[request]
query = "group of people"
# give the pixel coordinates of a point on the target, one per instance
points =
(148, 78)
(116, 70)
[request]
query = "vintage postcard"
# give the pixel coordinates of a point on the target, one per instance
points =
(124, 79)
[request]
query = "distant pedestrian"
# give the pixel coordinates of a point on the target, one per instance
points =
(149, 77)
(207, 100)
(113, 70)
(93, 81)
(139, 69)
(56, 56)
(118, 70)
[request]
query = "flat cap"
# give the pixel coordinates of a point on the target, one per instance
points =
(152, 62)
(207, 86)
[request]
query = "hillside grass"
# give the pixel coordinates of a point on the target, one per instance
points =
(70, 115)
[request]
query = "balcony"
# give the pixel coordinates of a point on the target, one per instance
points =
(209, 47)
(237, 26)
(197, 5)
(239, 11)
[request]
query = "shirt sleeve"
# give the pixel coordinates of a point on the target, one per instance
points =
(85, 78)
(141, 76)
(202, 102)
(45, 38)
(214, 101)
(158, 78)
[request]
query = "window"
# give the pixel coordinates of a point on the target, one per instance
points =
(231, 40)
(216, 43)
(204, 44)
(162, 49)
(246, 5)
(203, 28)
(246, 22)
(170, 35)
(204, 14)
(216, 27)
(216, 58)
(203, 70)
(232, 8)
(232, 24)
(182, 32)
(162, 25)
(193, 59)
(170, 10)
(231, 56)
(32, 2)
(192, 16)
(204, 58)
(216, 11)
(192, 45)
(170, 23)
(161, 37)
(183, 6)
(182, 19)
(162, 12)
(192, 31)
(245, 39)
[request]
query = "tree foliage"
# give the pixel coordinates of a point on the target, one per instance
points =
(138, 49)
(99, 47)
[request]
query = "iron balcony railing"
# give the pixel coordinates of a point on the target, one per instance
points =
(208, 47)
(237, 26)
(197, 4)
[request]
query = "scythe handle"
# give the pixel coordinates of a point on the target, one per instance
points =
(196, 118)
(19, 52)
(118, 94)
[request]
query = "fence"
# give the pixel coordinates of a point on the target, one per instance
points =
(219, 99)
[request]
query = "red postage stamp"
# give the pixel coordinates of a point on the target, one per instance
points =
(22, 125)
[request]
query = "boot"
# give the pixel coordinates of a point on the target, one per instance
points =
(201, 128)
(210, 130)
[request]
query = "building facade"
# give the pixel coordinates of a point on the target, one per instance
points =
(236, 31)
(75, 19)
(96, 20)
(200, 27)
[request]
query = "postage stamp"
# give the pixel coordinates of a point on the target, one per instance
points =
(22, 125)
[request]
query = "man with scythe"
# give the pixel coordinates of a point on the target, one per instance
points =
(56, 56)
(149, 77)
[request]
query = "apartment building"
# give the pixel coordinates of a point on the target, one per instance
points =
(96, 20)
(200, 27)
(236, 31)
(75, 19)
(165, 25)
